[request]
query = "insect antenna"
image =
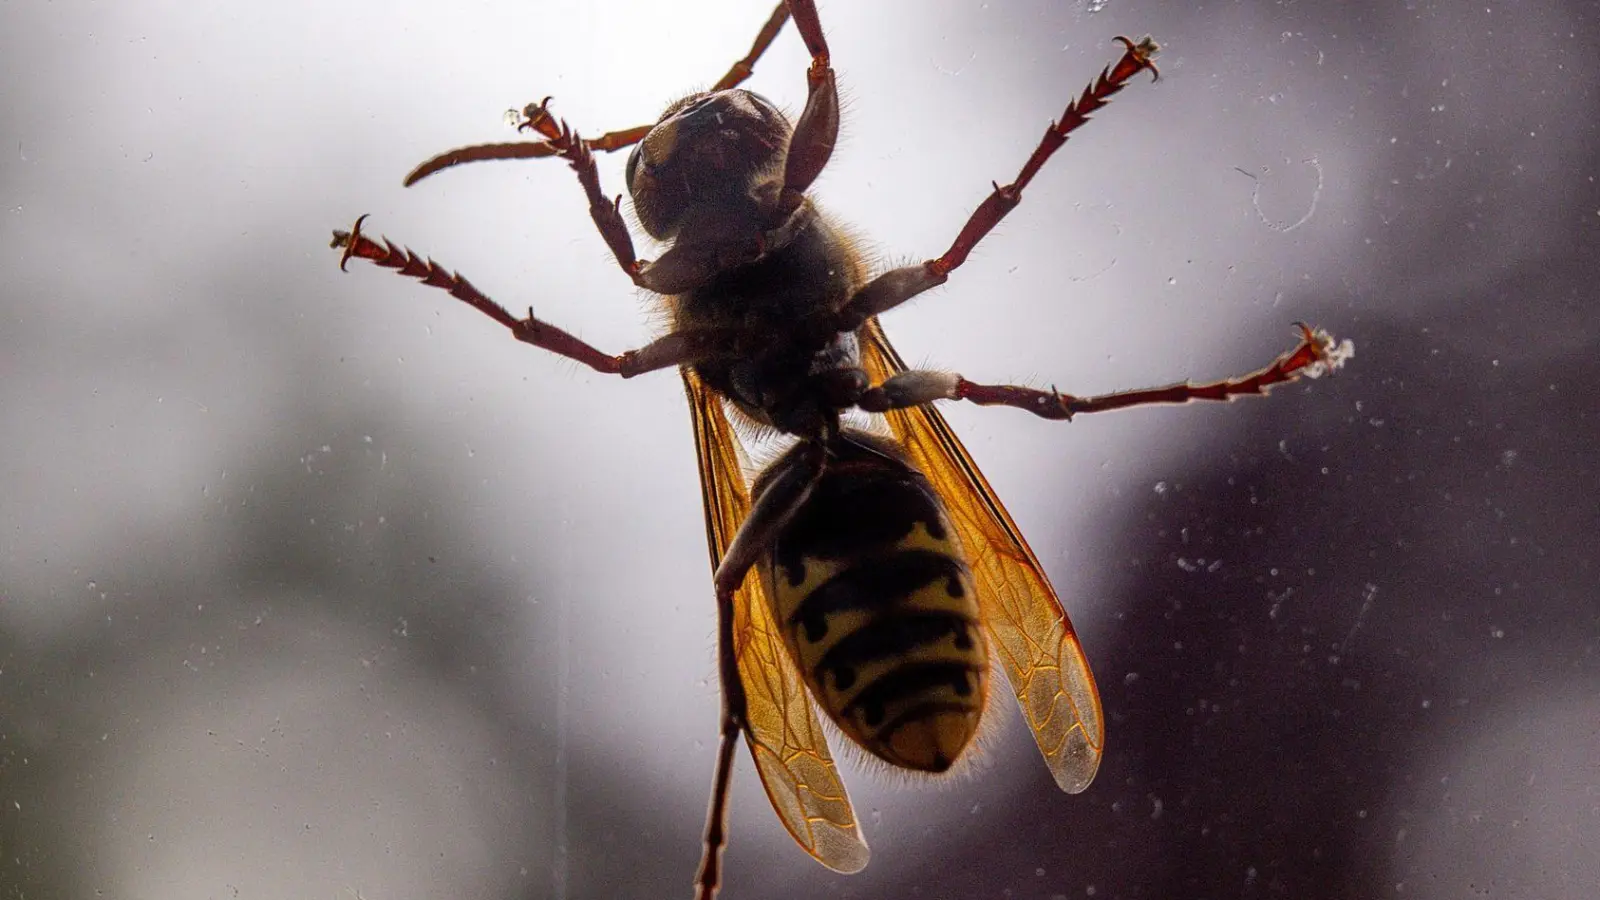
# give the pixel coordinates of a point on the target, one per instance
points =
(535, 117)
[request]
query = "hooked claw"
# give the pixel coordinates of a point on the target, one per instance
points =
(348, 240)
(1143, 52)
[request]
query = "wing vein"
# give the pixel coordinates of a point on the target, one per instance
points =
(782, 731)
(1033, 638)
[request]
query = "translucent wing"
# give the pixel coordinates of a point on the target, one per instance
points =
(785, 739)
(1032, 635)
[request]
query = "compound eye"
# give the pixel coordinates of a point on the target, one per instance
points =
(765, 108)
(633, 166)
(698, 103)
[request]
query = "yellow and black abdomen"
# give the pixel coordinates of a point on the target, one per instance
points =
(875, 599)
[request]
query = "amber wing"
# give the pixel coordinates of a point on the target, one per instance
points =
(785, 738)
(1032, 635)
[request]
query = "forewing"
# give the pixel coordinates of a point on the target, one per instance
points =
(1032, 635)
(785, 738)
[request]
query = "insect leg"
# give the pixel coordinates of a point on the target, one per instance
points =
(709, 877)
(896, 286)
(742, 69)
(537, 117)
(774, 508)
(818, 127)
(1315, 355)
(605, 212)
(682, 347)
(770, 512)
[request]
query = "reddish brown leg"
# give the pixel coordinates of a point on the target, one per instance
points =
(818, 127)
(742, 69)
(606, 213)
(1316, 355)
(709, 878)
(1135, 59)
(678, 348)
(771, 511)
(896, 286)
(536, 117)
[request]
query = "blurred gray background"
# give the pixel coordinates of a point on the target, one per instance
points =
(318, 586)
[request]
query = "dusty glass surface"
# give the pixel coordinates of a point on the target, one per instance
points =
(315, 585)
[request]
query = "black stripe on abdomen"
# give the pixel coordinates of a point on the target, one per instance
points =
(927, 679)
(893, 634)
(876, 583)
(858, 510)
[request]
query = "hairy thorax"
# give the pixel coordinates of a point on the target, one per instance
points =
(766, 308)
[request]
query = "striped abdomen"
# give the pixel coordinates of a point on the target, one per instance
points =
(876, 602)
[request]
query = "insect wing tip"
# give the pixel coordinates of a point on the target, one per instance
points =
(1075, 769)
(849, 856)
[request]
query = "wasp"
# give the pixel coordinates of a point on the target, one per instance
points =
(868, 572)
